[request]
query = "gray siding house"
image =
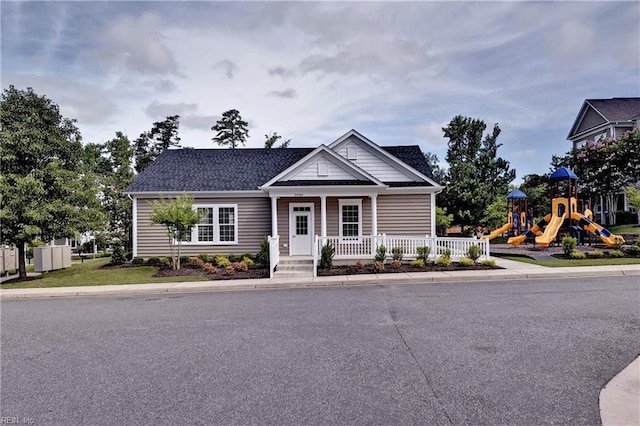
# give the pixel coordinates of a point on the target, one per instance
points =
(349, 188)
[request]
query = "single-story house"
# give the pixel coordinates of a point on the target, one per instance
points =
(348, 189)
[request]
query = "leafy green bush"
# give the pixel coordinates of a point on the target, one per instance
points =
(204, 257)
(578, 255)
(569, 245)
(466, 262)
(633, 250)
(248, 256)
(117, 256)
(418, 263)
(381, 254)
(445, 252)
(474, 252)
(596, 254)
(184, 260)
(616, 253)
(378, 266)
(327, 253)
(137, 260)
(153, 261)
(165, 262)
(397, 253)
(488, 262)
(618, 242)
(262, 257)
(396, 264)
(443, 260)
(221, 261)
(423, 253)
(248, 261)
(233, 258)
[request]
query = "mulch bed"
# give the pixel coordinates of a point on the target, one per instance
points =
(368, 269)
(220, 275)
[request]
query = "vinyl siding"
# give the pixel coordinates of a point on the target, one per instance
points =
(404, 214)
(254, 223)
(310, 172)
(283, 219)
(333, 215)
(591, 119)
(374, 165)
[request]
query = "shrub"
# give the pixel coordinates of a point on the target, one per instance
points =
(248, 261)
(423, 253)
(618, 242)
(184, 260)
(221, 261)
(397, 253)
(128, 255)
(488, 262)
(633, 250)
(117, 256)
(378, 266)
(569, 245)
(443, 261)
(616, 253)
(229, 270)
(249, 256)
(240, 266)
(204, 257)
(153, 261)
(445, 253)
(578, 255)
(359, 264)
(262, 257)
(137, 260)
(418, 263)
(596, 254)
(381, 254)
(466, 262)
(233, 258)
(165, 262)
(396, 264)
(327, 253)
(474, 252)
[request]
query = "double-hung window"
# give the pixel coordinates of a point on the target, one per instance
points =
(350, 220)
(218, 224)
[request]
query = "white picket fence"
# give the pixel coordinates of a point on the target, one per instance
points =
(364, 247)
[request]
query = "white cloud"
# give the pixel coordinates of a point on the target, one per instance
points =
(286, 93)
(157, 110)
(227, 67)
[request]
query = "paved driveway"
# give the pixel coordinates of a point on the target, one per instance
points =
(509, 352)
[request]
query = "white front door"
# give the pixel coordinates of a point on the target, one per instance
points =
(301, 229)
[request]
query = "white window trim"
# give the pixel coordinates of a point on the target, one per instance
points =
(350, 202)
(216, 227)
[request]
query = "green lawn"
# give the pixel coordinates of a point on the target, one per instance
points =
(88, 273)
(625, 229)
(560, 263)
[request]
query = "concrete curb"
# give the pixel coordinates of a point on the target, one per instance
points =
(619, 403)
(512, 271)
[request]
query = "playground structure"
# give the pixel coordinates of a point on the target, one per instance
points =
(564, 215)
(519, 218)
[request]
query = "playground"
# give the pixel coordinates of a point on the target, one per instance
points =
(565, 219)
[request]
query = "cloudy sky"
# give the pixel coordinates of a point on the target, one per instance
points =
(396, 72)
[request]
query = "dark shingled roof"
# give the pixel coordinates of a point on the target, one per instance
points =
(617, 109)
(245, 169)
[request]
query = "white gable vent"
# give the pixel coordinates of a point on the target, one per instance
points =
(323, 168)
(352, 152)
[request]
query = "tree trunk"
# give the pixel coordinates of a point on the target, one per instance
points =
(22, 267)
(612, 205)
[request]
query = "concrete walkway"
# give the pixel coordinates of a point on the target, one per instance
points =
(619, 400)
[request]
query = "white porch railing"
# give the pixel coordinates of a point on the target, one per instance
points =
(364, 247)
(274, 253)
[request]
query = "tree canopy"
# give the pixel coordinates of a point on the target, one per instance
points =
(271, 140)
(47, 188)
(476, 175)
(231, 130)
(149, 145)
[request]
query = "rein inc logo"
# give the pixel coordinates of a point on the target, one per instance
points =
(5, 420)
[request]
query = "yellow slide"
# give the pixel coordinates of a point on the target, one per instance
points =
(497, 232)
(605, 235)
(550, 231)
(535, 230)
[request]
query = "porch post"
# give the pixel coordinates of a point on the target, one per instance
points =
(433, 215)
(274, 215)
(374, 214)
(323, 215)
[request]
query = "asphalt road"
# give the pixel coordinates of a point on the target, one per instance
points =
(510, 352)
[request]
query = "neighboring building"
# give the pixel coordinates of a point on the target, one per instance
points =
(605, 118)
(347, 189)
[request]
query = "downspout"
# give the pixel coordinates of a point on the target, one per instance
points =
(134, 226)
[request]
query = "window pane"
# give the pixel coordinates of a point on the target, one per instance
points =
(350, 214)
(205, 233)
(302, 225)
(349, 229)
(227, 233)
(226, 215)
(206, 215)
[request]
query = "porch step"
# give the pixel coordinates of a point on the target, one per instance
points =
(294, 267)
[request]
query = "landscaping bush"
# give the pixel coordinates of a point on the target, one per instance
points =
(474, 252)
(327, 253)
(165, 262)
(397, 253)
(204, 257)
(221, 261)
(128, 255)
(466, 261)
(233, 258)
(184, 260)
(488, 263)
(616, 253)
(117, 256)
(249, 256)
(378, 266)
(569, 245)
(262, 257)
(396, 264)
(618, 242)
(153, 261)
(443, 261)
(423, 254)
(578, 255)
(359, 265)
(248, 261)
(381, 254)
(137, 260)
(240, 266)
(418, 263)
(633, 250)
(596, 254)
(229, 270)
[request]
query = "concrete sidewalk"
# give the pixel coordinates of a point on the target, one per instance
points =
(512, 270)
